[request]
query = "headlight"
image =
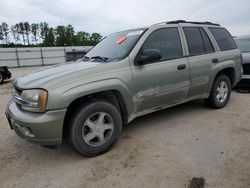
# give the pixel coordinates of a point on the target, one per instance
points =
(34, 100)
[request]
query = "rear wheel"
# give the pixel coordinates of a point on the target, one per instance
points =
(95, 128)
(221, 92)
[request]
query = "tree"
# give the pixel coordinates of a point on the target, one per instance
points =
(1, 33)
(27, 31)
(60, 35)
(81, 38)
(22, 31)
(34, 31)
(69, 34)
(5, 30)
(15, 30)
(44, 29)
(95, 38)
(23, 34)
(49, 38)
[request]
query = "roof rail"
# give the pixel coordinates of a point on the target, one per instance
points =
(183, 21)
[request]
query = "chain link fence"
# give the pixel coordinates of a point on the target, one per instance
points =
(20, 57)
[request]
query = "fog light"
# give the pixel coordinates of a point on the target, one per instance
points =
(27, 132)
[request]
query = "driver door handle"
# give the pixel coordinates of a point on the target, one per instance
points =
(181, 67)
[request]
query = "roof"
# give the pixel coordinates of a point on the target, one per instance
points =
(242, 37)
(191, 22)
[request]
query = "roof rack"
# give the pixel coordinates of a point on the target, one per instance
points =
(183, 21)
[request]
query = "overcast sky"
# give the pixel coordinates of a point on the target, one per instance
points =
(107, 16)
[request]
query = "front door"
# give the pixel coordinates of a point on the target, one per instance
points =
(166, 81)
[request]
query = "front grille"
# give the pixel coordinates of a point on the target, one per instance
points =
(246, 69)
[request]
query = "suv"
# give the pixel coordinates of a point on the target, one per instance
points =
(243, 43)
(128, 74)
(4, 73)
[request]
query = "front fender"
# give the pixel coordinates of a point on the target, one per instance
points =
(64, 99)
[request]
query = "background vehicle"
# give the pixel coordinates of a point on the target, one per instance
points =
(126, 75)
(74, 55)
(243, 42)
(4, 73)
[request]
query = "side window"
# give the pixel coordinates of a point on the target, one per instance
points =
(207, 43)
(198, 41)
(167, 41)
(223, 38)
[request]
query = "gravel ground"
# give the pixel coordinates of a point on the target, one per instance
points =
(163, 149)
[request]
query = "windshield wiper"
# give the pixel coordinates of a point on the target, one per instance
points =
(100, 57)
(85, 58)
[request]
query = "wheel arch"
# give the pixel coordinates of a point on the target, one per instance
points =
(112, 96)
(230, 72)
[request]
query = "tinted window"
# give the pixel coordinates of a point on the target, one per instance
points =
(167, 41)
(243, 44)
(207, 43)
(198, 41)
(194, 40)
(223, 38)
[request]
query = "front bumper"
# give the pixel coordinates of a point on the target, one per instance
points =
(245, 80)
(40, 128)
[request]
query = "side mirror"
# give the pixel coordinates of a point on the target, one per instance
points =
(148, 56)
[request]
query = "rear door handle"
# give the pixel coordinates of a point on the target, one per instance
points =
(181, 67)
(215, 60)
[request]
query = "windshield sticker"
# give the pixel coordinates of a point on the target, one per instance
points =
(139, 32)
(121, 40)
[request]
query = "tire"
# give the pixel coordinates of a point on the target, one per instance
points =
(222, 84)
(95, 128)
(1, 78)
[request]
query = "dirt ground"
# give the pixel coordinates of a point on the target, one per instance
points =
(163, 149)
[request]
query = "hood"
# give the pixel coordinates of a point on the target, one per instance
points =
(246, 57)
(58, 75)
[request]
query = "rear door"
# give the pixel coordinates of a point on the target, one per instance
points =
(201, 58)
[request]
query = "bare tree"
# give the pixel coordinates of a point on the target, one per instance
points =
(27, 31)
(44, 29)
(15, 30)
(5, 30)
(34, 31)
(22, 31)
(1, 33)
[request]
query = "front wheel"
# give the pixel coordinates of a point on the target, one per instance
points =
(95, 128)
(221, 92)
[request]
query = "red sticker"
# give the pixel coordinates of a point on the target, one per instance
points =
(121, 40)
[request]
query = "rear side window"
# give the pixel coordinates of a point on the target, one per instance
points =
(223, 38)
(167, 41)
(198, 41)
(207, 43)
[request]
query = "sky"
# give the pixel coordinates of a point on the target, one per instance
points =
(108, 16)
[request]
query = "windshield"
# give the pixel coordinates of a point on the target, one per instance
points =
(243, 44)
(116, 46)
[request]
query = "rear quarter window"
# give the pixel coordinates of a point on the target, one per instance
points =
(223, 38)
